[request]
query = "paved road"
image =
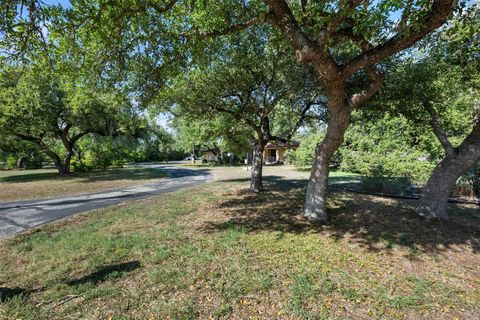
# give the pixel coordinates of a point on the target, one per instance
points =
(21, 215)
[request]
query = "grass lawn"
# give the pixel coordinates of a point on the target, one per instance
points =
(41, 183)
(218, 251)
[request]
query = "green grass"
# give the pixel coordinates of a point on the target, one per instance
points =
(343, 174)
(40, 183)
(43, 175)
(217, 251)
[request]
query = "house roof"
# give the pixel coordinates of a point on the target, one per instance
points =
(282, 144)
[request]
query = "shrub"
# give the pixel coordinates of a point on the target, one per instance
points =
(11, 162)
(98, 158)
(305, 153)
(390, 146)
(396, 163)
(469, 184)
(34, 162)
(80, 166)
(290, 156)
(118, 163)
(397, 185)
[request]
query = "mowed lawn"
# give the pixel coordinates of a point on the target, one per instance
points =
(220, 252)
(41, 183)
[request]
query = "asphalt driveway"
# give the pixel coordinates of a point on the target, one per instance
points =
(21, 215)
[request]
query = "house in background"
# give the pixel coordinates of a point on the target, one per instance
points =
(274, 152)
(209, 156)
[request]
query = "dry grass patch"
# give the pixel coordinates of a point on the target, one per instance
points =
(42, 183)
(220, 252)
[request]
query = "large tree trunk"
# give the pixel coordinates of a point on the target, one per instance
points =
(435, 194)
(22, 161)
(66, 162)
(218, 154)
(256, 183)
(315, 202)
(62, 167)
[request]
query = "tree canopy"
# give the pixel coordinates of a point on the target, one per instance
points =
(36, 106)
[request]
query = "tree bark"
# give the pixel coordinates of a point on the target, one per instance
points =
(256, 183)
(68, 144)
(66, 162)
(435, 194)
(315, 201)
(193, 155)
(22, 162)
(435, 123)
(217, 153)
(59, 165)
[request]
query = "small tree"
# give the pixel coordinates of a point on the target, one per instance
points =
(219, 134)
(251, 89)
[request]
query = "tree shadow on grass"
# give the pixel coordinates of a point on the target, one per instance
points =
(135, 173)
(374, 223)
(92, 176)
(102, 274)
(107, 273)
(9, 293)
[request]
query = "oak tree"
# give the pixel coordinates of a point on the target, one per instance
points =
(35, 106)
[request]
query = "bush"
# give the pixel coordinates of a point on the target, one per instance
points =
(469, 184)
(305, 153)
(391, 147)
(11, 162)
(34, 164)
(98, 159)
(118, 163)
(290, 156)
(386, 164)
(33, 161)
(397, 185)
(80, 166)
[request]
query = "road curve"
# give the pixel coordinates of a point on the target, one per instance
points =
(21, 215)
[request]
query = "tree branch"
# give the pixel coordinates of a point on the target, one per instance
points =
(405, 16)
(342, 16)
(233, 28)
(306, 49)
(437, 128)
(284, 19)
(39, 142)
(33, 139)
(76, 137)
(376, 81)
(237, 115)
(438, 14)
(358, 39)
(160, 9)
(300, 120)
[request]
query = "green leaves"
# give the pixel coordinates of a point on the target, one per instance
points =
(37, 106)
